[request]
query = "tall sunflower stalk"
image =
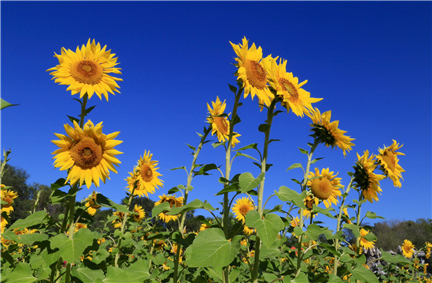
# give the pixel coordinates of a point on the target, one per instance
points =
(186, 194)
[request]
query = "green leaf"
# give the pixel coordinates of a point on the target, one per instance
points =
(173, 190)
(71, 250)
(207, 167)
(29, 239)
(301, 278)
(263, 128)
(295, 165)
(388, 257)
(58, 184)
(88, 110)
(177, 168)
(359, 202)
(286, 194)
(245, 155)
(353, 228)
(191, 147)
(233, 88)
(364, 275)
(330, 248)
(267, 228)
(313, 231)
(138, 271)
(87, 275)
(316, 159)
(334, 279)
(247, 182)
(210, 248)
(72, 119)
(304, 151)
(252, 145)
(117, 275)
(195, 204)
(21, 274)
(325, 211)
(228, 189)
(5, 104)
(372, 215)
(33, 219)
(268, 252)
(163, 207)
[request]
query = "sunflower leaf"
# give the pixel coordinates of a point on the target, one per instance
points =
(173, 190)
(245, 155)
(177, 168)
(304, 151)
(267, 228)
(288, 195)
(233, 88)
(88, 110)
(21, 274)
(235, 120)
(72, 119)
(31, 220)
(263, 128)
(295, 165)
(388, 257)
(316, 159)
(228, 189)
(247, 182)
(252, 145)
(191, 147)
(372, 215)
(5, 104)
(364, 275)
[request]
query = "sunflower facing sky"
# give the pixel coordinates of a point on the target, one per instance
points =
(251, 71)
(220, 125)
(389, 162)
(328, 132)
(326, 187)
(87, 70)
(365, 177)
(174, 202)
(408, 249)
(288, 87)
(88, 153)
(241, 207)
(144, 176)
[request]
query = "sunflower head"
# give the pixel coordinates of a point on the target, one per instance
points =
(428, 249)
(87, 70)
(144, 179)
(389, 163)
(117, 223)
(204, 226)
(325, 186)
(90, 202)
(328, 132)
(251, 71)
(248, 231)
(88, 153)
(241, 207)
(365, 178)
(346, 216)
(220, 124)
(174, 202)
(8, 196)
(365, 243)
(139, 213)
(288, 88)
(408, 249)
(295, 221)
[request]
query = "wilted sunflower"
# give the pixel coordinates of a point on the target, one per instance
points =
(8, 196)
(328, 132)
(173, 201)
(408, 249)
(86, 70)
(288, 87)
(88, 153)
(365, 177)
(251, 71)
(140, 213)
(326, 187)
(389, 162)
(220, 125)
(241, 207)
(365, 243)
(144, 176)
(91, 203)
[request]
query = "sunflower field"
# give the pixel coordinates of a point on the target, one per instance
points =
(248, 242)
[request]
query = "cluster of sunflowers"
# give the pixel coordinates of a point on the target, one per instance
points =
(248, 243)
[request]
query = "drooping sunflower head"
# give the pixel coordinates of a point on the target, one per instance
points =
(326, 186)
(174, 202)
(88, 153)
(365, 178)
(408, 249)
(328, 132)
(288, 88)
(251, 71)
(8, 196)
(87, 70)
(90, 202)
(241, 207)
(144, 178)
(140, 214)
(220, 124)
(389, 163)
(365, 243)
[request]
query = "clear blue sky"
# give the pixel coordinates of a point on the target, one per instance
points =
(370, 61)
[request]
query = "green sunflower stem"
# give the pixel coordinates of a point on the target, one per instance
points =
(270, 115)
(299, 245)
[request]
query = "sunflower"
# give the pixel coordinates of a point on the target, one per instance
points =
(325, 187)
(87, 70)
(327, 132)
(309, 201)
(140, 213)
(241, 207)
(173, 201)
(220, 125)
(248, 231)
(118, 222)
(88, 153)
(295, 221)
(428, 250)
(3, 224)
(251, 71)
(365, 177)
(205, 226)
(91, 203)
(365, 243)
(389, 162)
(79, 226)
(8, 196)
(288, 87)
(347, 219)
(408, 249)
(144, 176)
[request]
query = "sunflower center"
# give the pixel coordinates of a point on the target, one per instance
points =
(86, 153)
(322, 188)
(146, 172)
(256, 74)
(289, 87)
(389, 158)
(222, 125)
(86, 72)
